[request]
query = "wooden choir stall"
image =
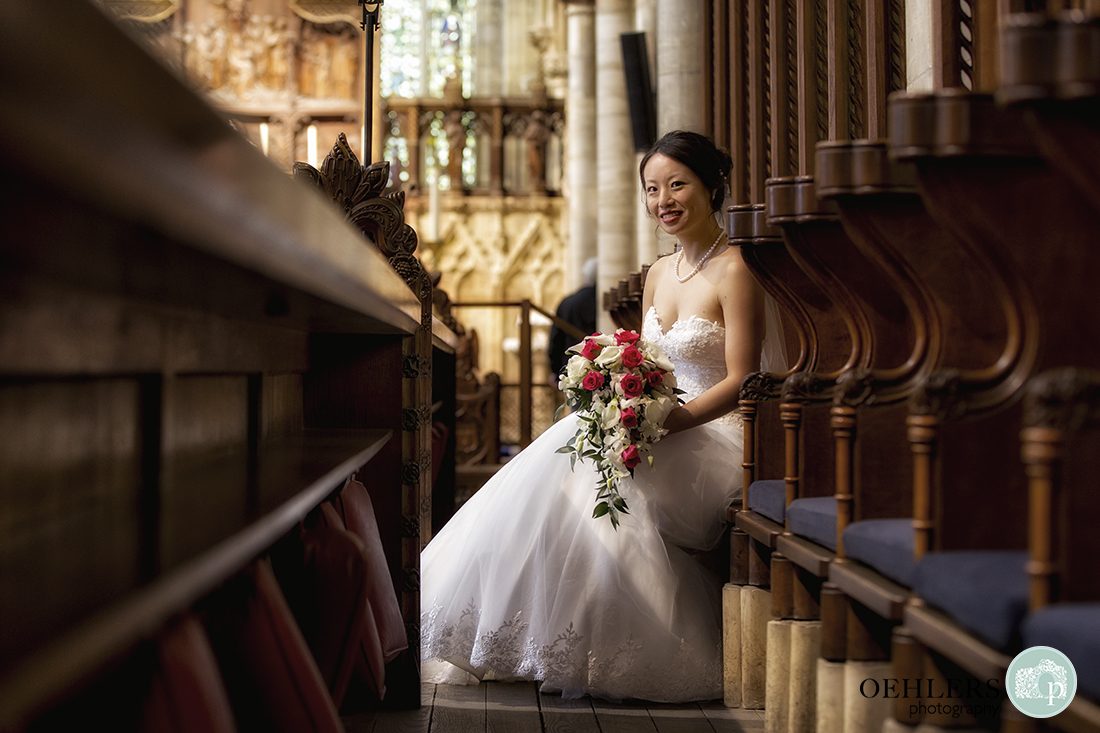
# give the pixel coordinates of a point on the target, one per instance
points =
(919, 498)
(216, 390)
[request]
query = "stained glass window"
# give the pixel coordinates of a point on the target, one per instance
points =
(424, 42)
(401, 24)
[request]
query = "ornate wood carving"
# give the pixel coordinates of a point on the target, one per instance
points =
(1066, 399)
(940, 395)
(807, 387)
(855, 387)
(759, 386)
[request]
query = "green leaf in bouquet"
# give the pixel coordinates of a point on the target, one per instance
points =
(620, 504)
(557, 412)
(601, 509)
(566, 449)
(572, 461)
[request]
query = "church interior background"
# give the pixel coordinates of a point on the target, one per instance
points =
(513, 176)
(483, 78)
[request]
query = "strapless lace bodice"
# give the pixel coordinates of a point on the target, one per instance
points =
(695, 346)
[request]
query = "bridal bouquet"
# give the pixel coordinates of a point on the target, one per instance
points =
(622, 389)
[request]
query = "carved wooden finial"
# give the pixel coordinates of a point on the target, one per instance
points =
(357, 192)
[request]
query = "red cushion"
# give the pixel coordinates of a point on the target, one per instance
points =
(326, 589)
(186, 693)
(273, 681)
(358, 515)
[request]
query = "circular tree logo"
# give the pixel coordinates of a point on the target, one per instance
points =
(1041, 682)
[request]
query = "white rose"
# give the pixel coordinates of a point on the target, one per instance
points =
(609, 358)
(576, 368)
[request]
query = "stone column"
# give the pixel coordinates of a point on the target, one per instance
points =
(645, 21)
(616, 218)
(580, 115)
(680, 65)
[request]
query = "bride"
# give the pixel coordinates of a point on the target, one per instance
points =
(523, 583)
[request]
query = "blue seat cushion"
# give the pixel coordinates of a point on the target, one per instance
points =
(884, 544)
(769, 498)
(984, 591)
(1074, 630)
(814, 519)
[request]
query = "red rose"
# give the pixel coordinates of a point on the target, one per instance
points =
(632, 357)
(654, 378)
(631, 457)
(626, 337)
(629, 418)
(591, 349)
(592, 381)
(632, 385)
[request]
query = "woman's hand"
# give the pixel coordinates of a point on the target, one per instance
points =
(677, 420)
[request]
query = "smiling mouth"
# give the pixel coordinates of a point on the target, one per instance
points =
(670, 216)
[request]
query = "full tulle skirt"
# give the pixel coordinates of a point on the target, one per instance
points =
(523, 583)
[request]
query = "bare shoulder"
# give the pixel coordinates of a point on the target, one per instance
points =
(737, 279)
(731, 263)
(661, 264)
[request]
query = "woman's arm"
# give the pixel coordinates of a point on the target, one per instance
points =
(742, 303)
(650, 285)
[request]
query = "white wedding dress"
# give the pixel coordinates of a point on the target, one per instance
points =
(523, 583)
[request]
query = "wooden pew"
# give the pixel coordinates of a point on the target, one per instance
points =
(191, 361)
(1053, 79)
(959, 327)
(807, 324)
(879, 327)
(871, 321)
(982, 178)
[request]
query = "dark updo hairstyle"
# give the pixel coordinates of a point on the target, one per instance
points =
(701, 155)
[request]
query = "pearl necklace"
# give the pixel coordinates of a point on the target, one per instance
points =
(704, 258)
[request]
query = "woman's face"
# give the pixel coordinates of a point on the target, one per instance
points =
(677, 198)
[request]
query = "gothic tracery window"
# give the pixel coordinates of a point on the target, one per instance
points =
(427, 53)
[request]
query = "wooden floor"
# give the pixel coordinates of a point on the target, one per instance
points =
(518, 707)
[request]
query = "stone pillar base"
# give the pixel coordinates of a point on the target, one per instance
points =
(778, 676)
(830, 696)
(805, 653)
(731, 645)
(756, 612)
(863, 714)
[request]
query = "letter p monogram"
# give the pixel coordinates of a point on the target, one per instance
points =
(1061, 692)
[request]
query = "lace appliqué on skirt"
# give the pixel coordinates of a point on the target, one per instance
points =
(565, 664)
